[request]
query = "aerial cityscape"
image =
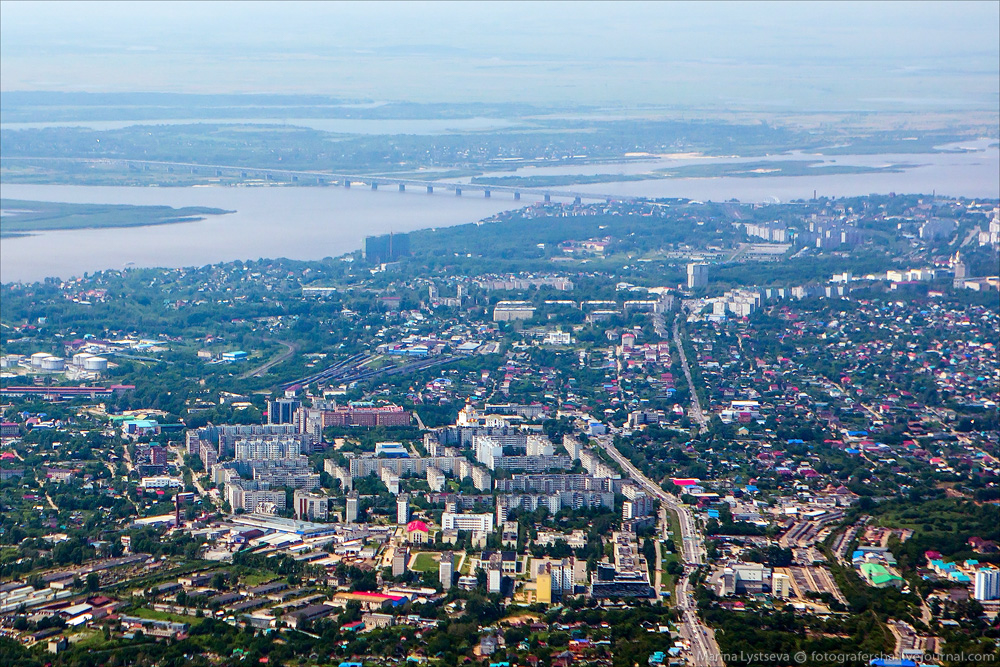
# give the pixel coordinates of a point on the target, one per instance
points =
(500, 334)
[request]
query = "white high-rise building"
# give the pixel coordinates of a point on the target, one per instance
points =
(487, 450)
(446, 570)
(539, 446)
(697, 275)
(403, 508)
(435, 479)
(987, 586)
(351, 514)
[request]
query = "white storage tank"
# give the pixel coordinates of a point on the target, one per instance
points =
(37, 357)
(10, 361)
(80, 358)
(95, 364)
(53, 363)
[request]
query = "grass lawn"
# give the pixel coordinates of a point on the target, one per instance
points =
(675, 531)
(425, 562)
(669, 580)
(92, 639)
(256, 579)
(143, 612)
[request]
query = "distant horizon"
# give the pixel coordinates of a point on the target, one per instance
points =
(771, 57)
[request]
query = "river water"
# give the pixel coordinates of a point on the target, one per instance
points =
(315, 222)
(294, 222)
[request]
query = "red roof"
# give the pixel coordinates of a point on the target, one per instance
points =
(417, 525)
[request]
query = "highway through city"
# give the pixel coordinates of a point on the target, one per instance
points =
(697, 412)
(704, 649)
(290, 349)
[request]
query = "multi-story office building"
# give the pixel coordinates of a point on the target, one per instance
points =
(468, 522)
(310, 506)
(282, 410)
(385, 248)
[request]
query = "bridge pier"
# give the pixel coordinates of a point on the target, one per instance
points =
(458, 192)
(347, 183)
(374, 185)
(576, 200)
(402, 187)
(486, 193)
(517, 196)
(430, 189)
(243, 174)
(548, 198)
(218, 172)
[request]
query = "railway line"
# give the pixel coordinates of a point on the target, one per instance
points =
(351, 369)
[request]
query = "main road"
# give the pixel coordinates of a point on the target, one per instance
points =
(697, 412)
(704, 649)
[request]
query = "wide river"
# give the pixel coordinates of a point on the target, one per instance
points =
(316, 222)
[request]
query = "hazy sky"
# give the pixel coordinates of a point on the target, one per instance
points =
(900, 56)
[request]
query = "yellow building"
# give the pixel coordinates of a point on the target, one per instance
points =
(781, 585)
(543, 584)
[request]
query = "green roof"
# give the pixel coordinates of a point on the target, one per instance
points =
(877, 574)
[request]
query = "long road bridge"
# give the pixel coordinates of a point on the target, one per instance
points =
(373, 181)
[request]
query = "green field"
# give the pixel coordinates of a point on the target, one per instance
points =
(425, 562)
(22, 217)
(775, 168)
(143, 612)
(256, 579)
(710, 170)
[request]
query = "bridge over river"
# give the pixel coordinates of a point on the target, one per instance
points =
(373, 181)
